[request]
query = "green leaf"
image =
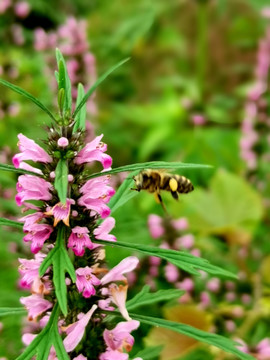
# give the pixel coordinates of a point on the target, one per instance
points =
(150, 165)
(81, 115)
(123, 194)
(11, 168)
(234, 208)
(47, 338)
(145, 297)
(8, 222)
(149, 353)
(6, 311)
(26, 94)
(64, 81)
(59, 259)
(181, 259)
(61, 180)
(96, 84)
(203, 336)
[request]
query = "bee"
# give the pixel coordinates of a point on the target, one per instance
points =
(154, 181)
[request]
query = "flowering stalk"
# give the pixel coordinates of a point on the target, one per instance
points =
(66, 214)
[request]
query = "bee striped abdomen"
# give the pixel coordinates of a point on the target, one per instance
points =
(184, 185)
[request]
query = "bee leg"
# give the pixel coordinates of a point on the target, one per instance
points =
(174, 195)
(135, 189)
(159, 201)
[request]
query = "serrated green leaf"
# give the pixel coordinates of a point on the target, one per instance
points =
(61, 263)
(96, 84)
(145, 297)
(150, 165)
(26, 94)
(181, 259)
(123, 194)
(81, 115)
(61, 180)
(47, 338)
(64, 81)
(8, 222)
(11, 168)
(203, 336)
(6, 311)
(150, 352)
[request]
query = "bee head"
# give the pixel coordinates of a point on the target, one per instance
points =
(138, 181)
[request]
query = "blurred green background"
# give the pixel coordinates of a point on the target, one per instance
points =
(194, 90)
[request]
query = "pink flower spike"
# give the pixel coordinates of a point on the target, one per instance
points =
(35, 305)
(86, 281)
(102, 231)
(94, 151)
(119, 338)
(61, 212)
(79, 239)
(30, 187)
(38, 234)
(75, 331)
(30, 151)
(116, 274)
(119, 296)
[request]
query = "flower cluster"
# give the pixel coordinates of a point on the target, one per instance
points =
(255, 139)
(82, 219)
(71, 38)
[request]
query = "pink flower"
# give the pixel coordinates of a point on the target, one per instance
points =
(113, 355)
(31, 219)
(80, 357)
(30, 151)
(119, 338)
(171, 273)
(28, 167)
(79, 239)
(35, 305)
(86, 281)
(75, 331)
(118, 297)
(116, 273)
(96, 194)
(38, 234)
(102, 231)
(61, 212)
(180, 224)
(213, 285)
(22, 9)
(30, 187)
(94, 151)
(185, 241)
(29, 270)
(155, 226)
(187, 285)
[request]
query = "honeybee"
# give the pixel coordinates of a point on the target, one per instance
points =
(155, 180)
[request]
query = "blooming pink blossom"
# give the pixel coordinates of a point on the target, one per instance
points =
(29, 270)
(79, 239)
(61, 212)
(37, 234)
(171, 273)
(213, 285)
(102, 231)
(30, 187)
(94, 151)
(35, 305)
(25, 166)
(86, 281)
(187, 285)
(118, 297)
(75, 331)
(31, 219)
(80, 357)
(180, 224)
(119, 338)
(116, 273)
(155, 226)
(113, 355)
(22, 9)
(30, 151)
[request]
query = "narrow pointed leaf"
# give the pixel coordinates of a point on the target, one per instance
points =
(203, 336)
(123, 194)
(8, 222)
(96, 84)
(81, 115)
(11, 168)
(59, 346)
(47, 261)
(64, 80)
(26, 94)
(61, 180)
(181, 259)
(145, 297)
(150, 165)
(6, 311)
